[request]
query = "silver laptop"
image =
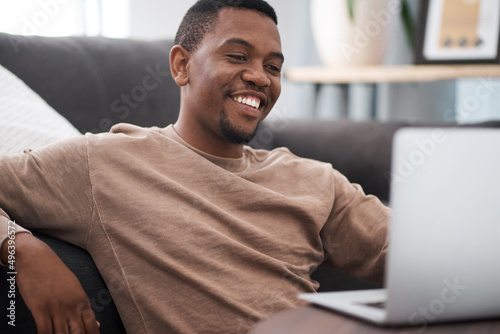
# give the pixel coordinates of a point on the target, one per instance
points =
(444, 242)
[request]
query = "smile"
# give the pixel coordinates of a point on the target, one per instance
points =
(251, 101)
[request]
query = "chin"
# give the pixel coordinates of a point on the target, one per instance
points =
(233, 133)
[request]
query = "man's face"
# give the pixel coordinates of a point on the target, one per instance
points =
(235, 75)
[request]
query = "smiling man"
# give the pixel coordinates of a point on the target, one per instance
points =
(192, 230)
(229, 82)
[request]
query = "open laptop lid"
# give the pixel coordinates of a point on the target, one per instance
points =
(444, 257)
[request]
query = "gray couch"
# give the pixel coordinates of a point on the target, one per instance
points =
(98, 82)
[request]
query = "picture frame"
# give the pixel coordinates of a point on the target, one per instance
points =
(458, 32)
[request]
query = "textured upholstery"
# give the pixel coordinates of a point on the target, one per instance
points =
(95, 82)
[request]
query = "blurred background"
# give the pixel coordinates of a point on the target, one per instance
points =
(441, 101)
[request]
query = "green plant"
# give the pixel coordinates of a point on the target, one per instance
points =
(406, 17)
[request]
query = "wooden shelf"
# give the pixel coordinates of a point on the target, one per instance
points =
(378, 74)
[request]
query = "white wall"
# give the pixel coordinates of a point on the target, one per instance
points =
(154, 19)
(45, 18)
(65, 17)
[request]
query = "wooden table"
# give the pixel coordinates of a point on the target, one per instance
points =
(315, 320)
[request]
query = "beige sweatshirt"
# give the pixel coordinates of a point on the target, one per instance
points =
(188, 242)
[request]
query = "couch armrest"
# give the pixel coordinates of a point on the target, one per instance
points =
(81, 264)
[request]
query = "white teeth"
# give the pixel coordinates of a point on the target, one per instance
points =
(247, 101)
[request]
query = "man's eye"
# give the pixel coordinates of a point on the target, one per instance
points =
(238, 57)
(274, 68)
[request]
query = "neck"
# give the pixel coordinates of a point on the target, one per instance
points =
(211, 144)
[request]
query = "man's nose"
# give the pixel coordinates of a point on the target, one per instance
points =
(257, 76)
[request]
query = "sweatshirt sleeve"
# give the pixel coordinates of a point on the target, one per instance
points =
(48, 190)
(355, 235)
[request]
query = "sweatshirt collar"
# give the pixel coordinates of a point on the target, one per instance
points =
(232, 165)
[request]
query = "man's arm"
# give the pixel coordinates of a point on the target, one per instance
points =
(355, 235)
(48, 190)
(49, 289)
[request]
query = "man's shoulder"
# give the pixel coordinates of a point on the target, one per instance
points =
(130, 138)
(276, 153)
(123, 132)
(133, 130)
(284, 157)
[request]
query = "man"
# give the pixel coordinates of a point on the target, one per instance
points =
(193, 231)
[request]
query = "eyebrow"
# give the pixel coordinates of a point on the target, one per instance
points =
(245, 43)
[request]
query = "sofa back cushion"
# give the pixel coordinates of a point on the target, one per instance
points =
(96, 82)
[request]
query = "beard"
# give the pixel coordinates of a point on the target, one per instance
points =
(233, 134)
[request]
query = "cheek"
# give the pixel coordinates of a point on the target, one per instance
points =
(201, 73)
(276, 89)
(202, 85)
(211, 80)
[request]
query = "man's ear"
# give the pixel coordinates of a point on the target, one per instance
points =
(179, 59)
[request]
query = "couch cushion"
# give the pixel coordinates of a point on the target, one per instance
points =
(95, 82)
(26, 120)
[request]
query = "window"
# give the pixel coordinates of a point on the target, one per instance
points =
(65, 17)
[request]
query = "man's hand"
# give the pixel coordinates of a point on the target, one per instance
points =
(51, 291)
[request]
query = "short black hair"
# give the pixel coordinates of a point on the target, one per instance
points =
(203, 16)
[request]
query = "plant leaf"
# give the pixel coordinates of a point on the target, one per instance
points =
(408, 23)
(350, 8)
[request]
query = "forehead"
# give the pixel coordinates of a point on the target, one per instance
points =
(246, 24)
